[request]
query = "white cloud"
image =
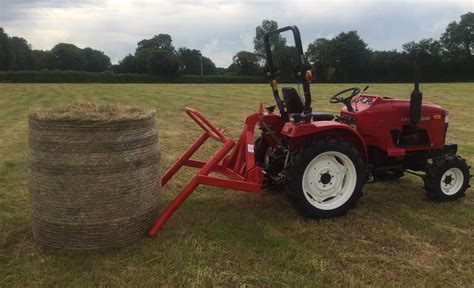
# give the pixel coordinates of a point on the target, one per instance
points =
(220, 28)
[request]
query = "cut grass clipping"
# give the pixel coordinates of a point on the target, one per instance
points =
(93, 174)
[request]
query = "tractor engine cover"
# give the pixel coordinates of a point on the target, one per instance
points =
(385, 123)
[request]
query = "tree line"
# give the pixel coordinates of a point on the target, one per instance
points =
(158, 56)
(16, 54)
(155, 56)
(347, 57)
(344, 58)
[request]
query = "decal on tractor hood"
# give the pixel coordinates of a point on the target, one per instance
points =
(364, 100)
(422, 118)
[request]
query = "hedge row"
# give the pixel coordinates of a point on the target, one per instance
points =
(58, 76)
(219, 79)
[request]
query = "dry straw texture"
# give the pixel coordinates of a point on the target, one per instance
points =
(93, 174)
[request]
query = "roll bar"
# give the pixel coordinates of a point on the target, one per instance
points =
(302, 67)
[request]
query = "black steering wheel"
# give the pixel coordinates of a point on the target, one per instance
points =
(338, 98)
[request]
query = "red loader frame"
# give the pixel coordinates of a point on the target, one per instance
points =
(237, 168)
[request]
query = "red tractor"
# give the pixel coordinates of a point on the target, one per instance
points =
(323, 160)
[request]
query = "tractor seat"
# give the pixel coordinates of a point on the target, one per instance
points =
(322, 116)
(316, 116)
(293, 102)
(294, 105)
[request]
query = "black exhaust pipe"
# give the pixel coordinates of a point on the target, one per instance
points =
(416, 96)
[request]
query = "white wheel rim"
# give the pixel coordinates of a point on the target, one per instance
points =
(329, 180)
(451, 181)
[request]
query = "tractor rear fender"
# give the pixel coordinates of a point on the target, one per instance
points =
(302, 133)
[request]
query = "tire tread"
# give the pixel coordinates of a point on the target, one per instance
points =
(435, 171)
(298, 164)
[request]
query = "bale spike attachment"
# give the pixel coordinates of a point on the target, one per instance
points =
(235, 166)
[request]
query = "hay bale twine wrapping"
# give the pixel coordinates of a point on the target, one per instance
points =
(93, 174)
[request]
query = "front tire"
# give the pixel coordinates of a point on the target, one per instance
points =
(447, 178)
(325, 179)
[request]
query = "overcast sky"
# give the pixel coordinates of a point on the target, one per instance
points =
(221, 28)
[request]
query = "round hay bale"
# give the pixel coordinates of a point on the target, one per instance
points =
(93, 175)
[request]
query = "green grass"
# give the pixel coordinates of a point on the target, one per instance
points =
(394, 237)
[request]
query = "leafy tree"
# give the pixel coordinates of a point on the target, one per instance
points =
(276, 41)
(245, 63)
(68, 57)
(208, 67)
(5, 52)
(458, 40)
(427, 46)
(158, 42)
(343, 58)
(156, 56)
(141, 60)
(127, 65)
(389, 66)
(43, 59)
(190, 60)
(162, 62)
(458, 46)
(430, 53)
(351, 55)
(15, 53)
(286, 63)
(22, 54)
(321, 54)
(95, 60)
(222, 71)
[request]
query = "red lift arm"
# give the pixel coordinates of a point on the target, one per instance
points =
(235, 166)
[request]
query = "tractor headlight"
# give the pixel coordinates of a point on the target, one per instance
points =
(446, 119)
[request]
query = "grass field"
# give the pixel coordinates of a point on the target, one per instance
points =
(395, 236)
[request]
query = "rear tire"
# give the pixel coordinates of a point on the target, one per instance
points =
(325, 179)
(447, 178)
